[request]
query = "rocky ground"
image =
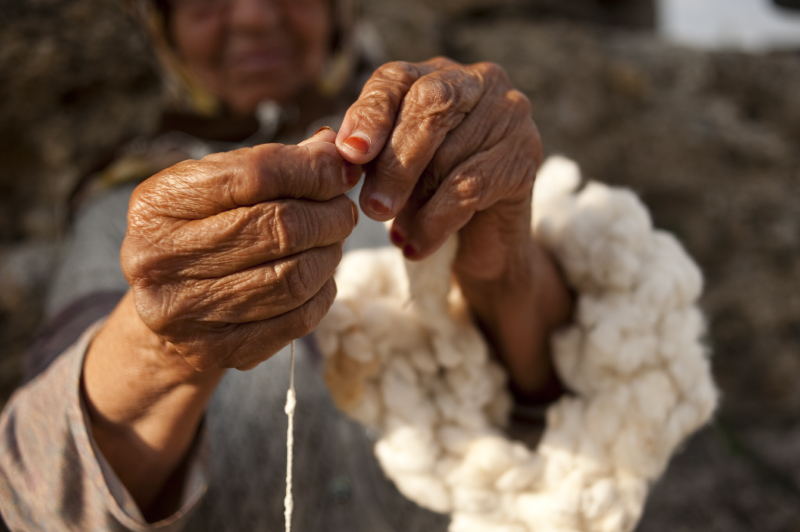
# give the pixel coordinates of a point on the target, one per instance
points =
(709, 140)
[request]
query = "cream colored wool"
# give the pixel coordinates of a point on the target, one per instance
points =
(289, 408)
(402, 356)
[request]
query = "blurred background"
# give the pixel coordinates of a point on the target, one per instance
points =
(694, 104)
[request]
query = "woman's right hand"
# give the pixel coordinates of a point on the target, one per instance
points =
(232, 257)
(229, 259)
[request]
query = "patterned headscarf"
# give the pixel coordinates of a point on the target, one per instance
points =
(184, 92)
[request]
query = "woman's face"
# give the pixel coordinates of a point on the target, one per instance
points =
(246, 51)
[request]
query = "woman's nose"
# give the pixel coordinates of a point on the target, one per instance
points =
(255, 14)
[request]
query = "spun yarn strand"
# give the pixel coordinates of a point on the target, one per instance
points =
(291, 402)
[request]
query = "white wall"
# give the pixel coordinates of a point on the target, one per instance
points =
(750, 25)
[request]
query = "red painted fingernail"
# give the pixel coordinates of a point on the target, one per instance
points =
(397, 237)
(410, 251)
(357, 142)
(379, 204)
(320, 130)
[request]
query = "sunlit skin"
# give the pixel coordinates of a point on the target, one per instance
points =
(248, 240)
(246, 51)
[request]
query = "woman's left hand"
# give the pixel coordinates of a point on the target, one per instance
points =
(452, 148)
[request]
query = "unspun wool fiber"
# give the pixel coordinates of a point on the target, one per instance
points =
(404, 357)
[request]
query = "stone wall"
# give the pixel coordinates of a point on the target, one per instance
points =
(709, 140)
(75, 78)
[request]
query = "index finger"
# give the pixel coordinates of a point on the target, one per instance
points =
(369, 121)
(198, 189)
(405, 111)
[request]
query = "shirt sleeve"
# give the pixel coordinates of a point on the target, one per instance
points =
(90, 263)
(52, 475)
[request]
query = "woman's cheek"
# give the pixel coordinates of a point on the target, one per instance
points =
(313, 29)
(199, 40)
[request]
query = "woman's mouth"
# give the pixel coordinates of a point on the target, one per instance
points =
(257, 61)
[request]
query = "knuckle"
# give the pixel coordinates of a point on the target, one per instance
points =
(318, 170)
(493, 71)
(140, 208)
(398, 71)
(349, 212)
(288, 227)
(440, 62)
(298, 277)
(519, 102)
(249, 184)
(325, 164)
(137, 203)
(333, 220)
(141, 262)
(434, 95)
(375, 109)
(468, 187)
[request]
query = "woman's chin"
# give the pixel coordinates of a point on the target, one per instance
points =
(244, 96)
(245, 103)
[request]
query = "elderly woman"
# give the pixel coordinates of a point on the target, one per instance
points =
(229, 257)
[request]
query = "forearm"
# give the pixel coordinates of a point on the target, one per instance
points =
(518, 311)
(145, 403)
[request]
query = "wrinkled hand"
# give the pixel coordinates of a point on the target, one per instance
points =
(450, 148)
(231, 257)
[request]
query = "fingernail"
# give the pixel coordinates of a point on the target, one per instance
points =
(410, 251)
(351, 173)
(358, 142)
(397, 237)
(379, 204)
(320, 130)
(355, 212)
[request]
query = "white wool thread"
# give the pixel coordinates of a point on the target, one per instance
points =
(421, 374)
(291, 402)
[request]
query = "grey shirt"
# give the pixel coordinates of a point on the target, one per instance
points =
(236, 479)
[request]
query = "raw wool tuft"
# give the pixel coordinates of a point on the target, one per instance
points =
(403, 357)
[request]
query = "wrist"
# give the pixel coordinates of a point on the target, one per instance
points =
(517, 311)
(127, 345)
(144, 401)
